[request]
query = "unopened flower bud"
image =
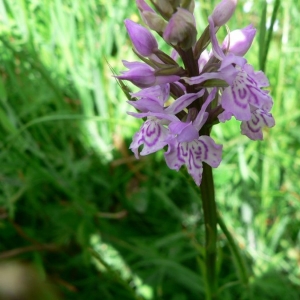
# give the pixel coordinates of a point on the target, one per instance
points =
(143, 6)
(166, 7)
(150, 17)
(188, 4)
(154, 21)
(142, 75)
(239, 41)
(223, 12)
(142, 39)
(181, 29)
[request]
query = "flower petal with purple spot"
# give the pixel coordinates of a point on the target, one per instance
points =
(192, 154)
(253, 128)
(259, 76)
(237, 98)
(152, 135)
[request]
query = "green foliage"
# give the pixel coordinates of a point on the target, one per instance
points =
(97, 223)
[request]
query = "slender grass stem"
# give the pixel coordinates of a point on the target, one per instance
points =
(266, 41)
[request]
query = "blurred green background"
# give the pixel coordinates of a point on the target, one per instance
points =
(99, 224)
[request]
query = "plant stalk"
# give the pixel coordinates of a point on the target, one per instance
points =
(239, 260)
(210, 219)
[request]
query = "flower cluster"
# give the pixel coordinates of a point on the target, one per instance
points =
(207, 87)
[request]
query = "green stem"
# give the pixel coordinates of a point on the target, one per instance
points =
(207, 192)
(210, 219)
(240, 262)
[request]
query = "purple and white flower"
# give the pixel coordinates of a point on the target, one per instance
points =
(211, 89)
(245, 92)
(152, 135)
(259, 119)
(186, 147)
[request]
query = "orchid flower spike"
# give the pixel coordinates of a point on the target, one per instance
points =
(180, 102)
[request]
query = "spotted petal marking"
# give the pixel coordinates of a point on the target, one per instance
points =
(237, 98)
(192, 154)
(152, 135)
(253, 128)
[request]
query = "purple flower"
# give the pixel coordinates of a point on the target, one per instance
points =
(153, 135)
(245, 92)
(239, 41)
(142, 39)
(259, 119)
(226, 71)
(155, 108)
(181, 29)
(186, 147)
(245, 85)
(152, 98)
(206, 86)
(192, 154)
(142, 75)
